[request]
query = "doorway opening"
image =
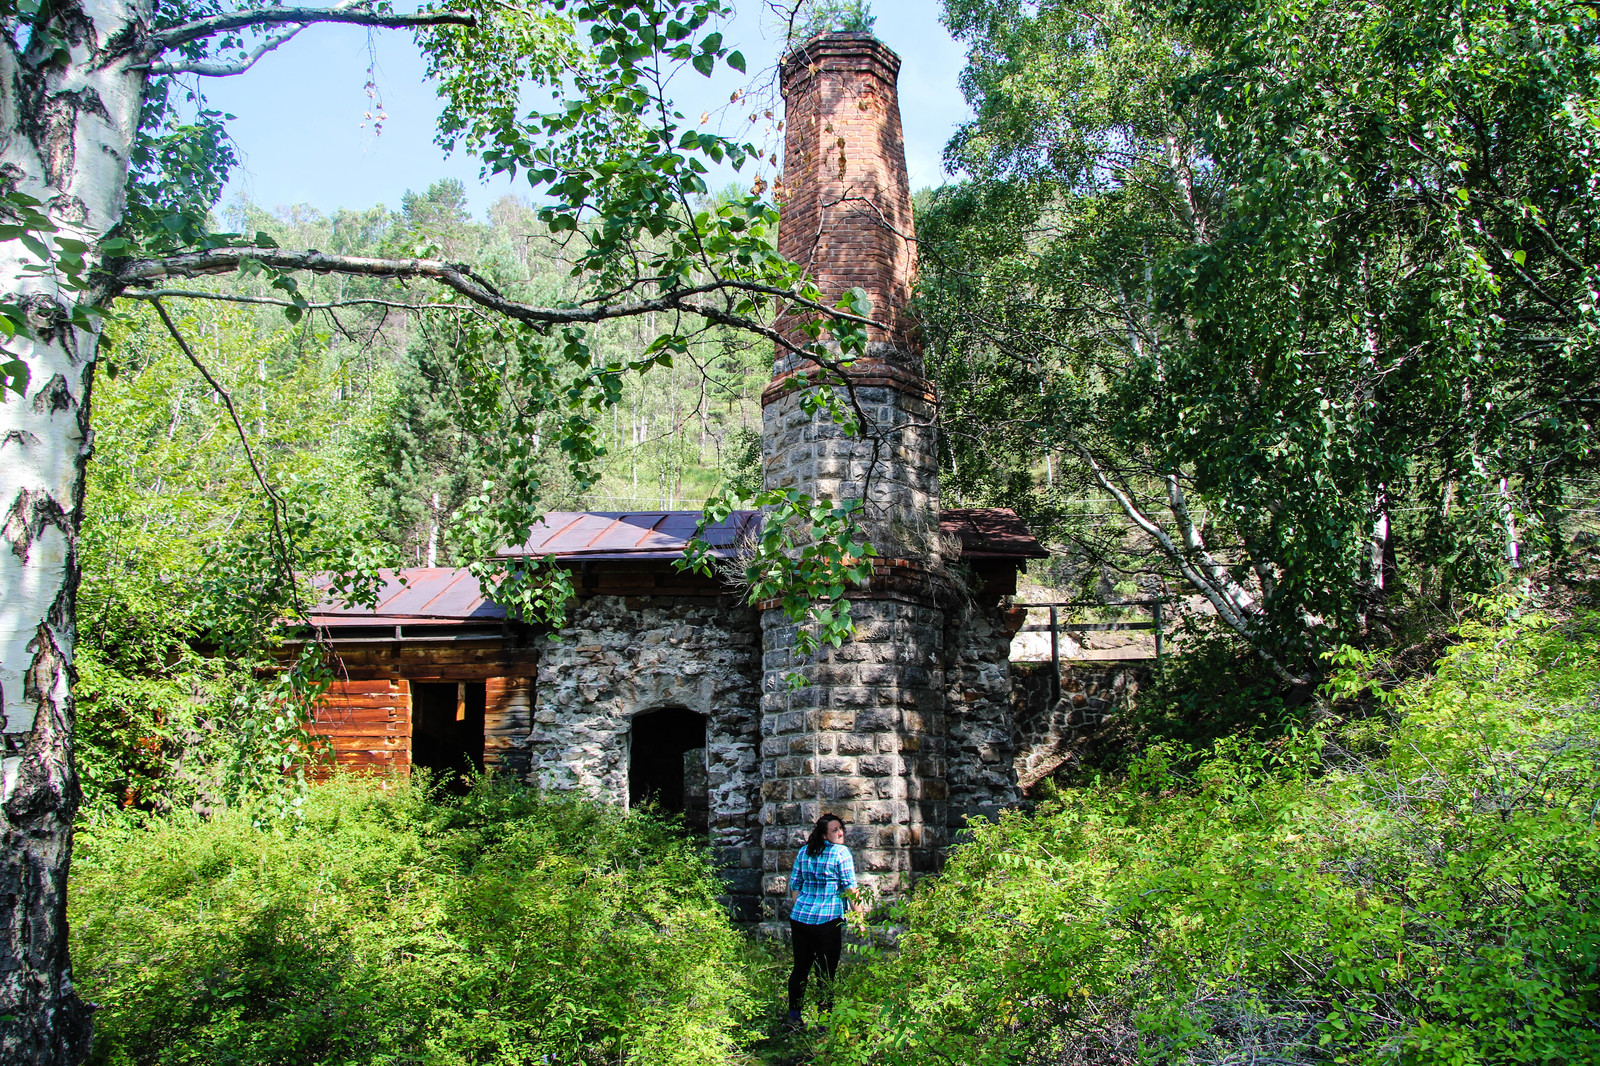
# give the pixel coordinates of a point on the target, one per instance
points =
(447, 730)
(667, 764)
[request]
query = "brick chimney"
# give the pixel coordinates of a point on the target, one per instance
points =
(865, 737)
(847, 200)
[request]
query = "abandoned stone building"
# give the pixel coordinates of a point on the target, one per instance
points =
(670, 686)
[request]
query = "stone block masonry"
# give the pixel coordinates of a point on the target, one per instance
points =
(621, 656)
(863, 739)
(897, 479)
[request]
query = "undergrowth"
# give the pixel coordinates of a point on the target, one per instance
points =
(1416, 883)
(389, 927)
(1420, 884)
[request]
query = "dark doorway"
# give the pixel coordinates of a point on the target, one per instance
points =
(447, 729)
(667, 764)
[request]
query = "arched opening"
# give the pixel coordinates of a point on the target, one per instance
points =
(447, 729)
(667, 764)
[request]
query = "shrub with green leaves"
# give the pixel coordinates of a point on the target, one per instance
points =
(387, 927)
(1418, 886)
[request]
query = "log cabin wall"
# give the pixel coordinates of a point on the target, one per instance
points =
(368, 724)
(507, 722)
(367, 713)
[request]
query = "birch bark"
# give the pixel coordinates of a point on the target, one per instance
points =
(69, 110)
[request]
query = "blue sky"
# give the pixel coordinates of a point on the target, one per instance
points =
(298, 113)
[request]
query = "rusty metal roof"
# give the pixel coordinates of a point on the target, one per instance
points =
(421, 595)
(629, 534)
(451, 596)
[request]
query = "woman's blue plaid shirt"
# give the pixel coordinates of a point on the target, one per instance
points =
(820, 879)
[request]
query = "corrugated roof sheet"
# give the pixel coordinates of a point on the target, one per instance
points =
(629, 534)
(420, 595)
(449, 595)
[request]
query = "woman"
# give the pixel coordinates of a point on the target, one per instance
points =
(823, 873)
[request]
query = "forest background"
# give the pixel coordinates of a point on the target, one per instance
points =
(377, 428)
(1291, 312)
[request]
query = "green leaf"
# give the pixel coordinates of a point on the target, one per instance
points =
(736, 61)
(14, 374)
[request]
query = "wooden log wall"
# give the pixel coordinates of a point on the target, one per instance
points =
(369, 724)
(507, 722)
(366, 715)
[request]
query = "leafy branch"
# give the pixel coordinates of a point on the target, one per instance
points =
(809, 554)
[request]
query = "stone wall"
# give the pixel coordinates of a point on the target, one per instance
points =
(897, 478)
(1050, 731)
(620, 656)
(864, 739)
(981, 744)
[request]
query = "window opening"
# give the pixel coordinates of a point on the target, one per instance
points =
(447, 729)
(667, 764)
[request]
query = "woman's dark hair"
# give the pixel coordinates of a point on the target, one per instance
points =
(819, 834)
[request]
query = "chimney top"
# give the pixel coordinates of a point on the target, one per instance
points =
(852, 51)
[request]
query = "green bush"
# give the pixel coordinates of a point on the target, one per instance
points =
(388, 927)
(1433, 900)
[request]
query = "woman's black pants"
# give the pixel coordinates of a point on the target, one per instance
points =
(819, 946)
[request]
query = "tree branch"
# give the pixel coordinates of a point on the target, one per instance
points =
(285, 560)
(134, 273)
(199, 29)
(367, 301)
(218, 69)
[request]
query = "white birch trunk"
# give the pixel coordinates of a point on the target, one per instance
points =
(66, 128)
(433, 533)
(1509, 513)
(1379, 546)
(1235, 604)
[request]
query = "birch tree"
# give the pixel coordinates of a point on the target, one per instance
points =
(1307, 292)
(106, 183)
